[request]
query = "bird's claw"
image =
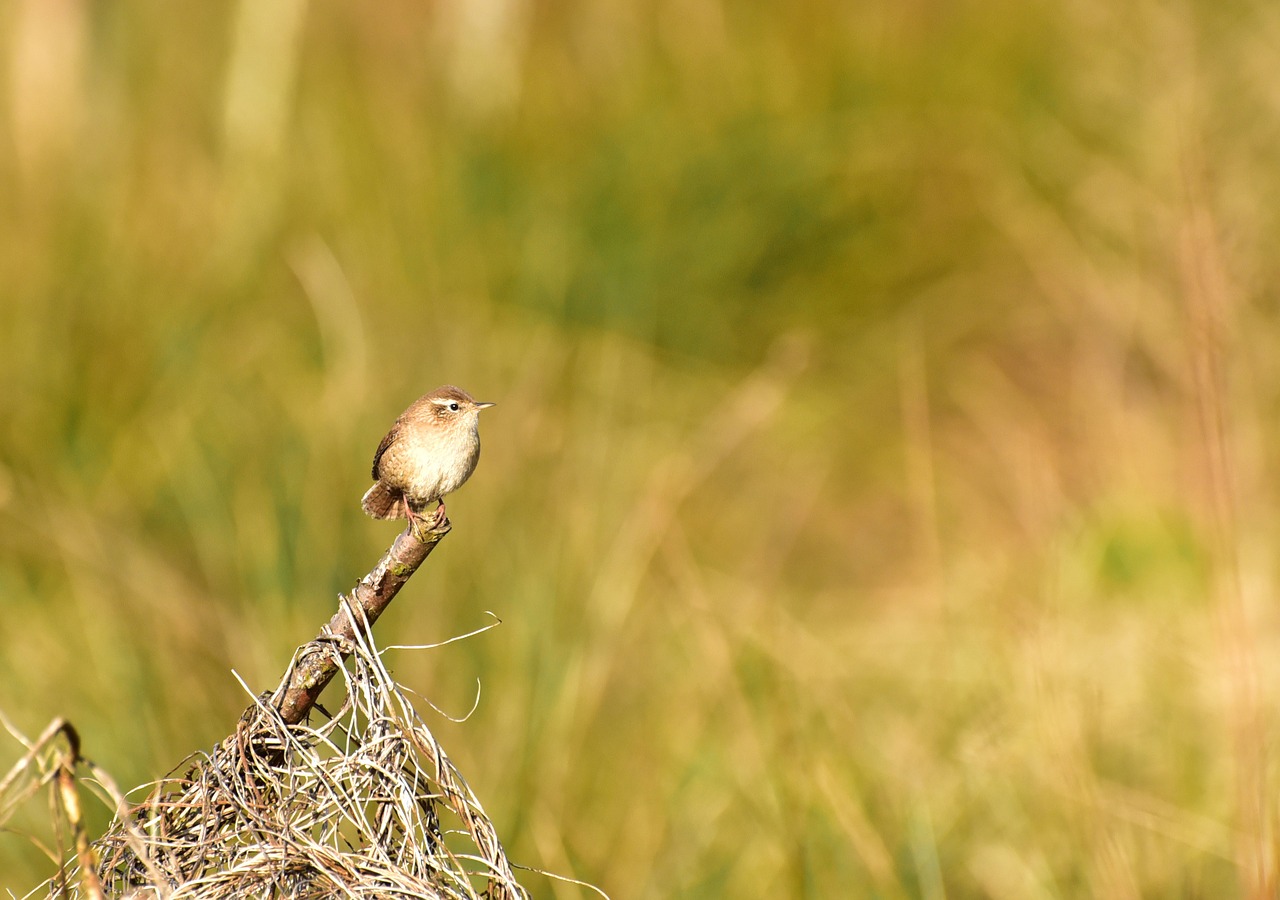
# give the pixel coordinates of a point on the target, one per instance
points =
(429, 528)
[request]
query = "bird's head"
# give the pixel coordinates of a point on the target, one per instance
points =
(452, 407)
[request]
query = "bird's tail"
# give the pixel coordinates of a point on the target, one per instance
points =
(383, 502)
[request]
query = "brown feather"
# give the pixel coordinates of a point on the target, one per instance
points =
(387, 441)
(383, 502)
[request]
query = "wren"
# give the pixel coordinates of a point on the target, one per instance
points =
(429, 452)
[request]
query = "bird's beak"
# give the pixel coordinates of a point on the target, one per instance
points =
(484, 405)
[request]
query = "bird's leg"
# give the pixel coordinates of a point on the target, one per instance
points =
(414, 519)
(437, 517)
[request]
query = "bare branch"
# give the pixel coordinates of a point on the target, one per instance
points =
(314, 665)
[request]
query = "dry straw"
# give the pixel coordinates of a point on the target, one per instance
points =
(363, 803)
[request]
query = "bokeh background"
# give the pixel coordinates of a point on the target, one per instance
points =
(881, 499)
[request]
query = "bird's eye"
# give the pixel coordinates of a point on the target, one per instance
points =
(453, 406)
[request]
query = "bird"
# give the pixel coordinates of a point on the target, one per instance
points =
(432, 448)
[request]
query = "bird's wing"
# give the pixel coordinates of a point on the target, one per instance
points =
(382, 448)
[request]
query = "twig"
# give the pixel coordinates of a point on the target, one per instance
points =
(314, 666)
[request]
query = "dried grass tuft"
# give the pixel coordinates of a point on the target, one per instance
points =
(365, 804)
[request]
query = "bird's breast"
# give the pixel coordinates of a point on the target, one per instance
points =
(430, 464)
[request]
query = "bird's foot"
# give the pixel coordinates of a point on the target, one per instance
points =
(427, 528)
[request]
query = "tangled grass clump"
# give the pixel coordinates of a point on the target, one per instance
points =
(365, 804)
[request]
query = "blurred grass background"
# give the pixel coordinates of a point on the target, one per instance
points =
(881, 496)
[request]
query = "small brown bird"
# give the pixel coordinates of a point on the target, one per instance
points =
(429, 452)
